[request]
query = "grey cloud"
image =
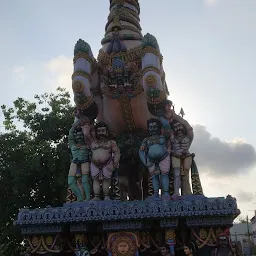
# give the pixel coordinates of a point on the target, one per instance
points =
(244, 196)
(221, 158)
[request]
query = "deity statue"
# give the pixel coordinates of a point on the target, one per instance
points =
(123, 244)
(180, 135)
(181, 158)
(224, 246)
(80, 159)
(153, 154)
(190, 249)
(105, 158)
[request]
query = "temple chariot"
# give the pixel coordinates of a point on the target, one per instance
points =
(133, 184)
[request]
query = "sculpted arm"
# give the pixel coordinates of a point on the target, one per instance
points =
(71, 139)
(142, 151)
(88, 133)
(116, 152)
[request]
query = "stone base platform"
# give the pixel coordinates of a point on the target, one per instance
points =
(170, 220)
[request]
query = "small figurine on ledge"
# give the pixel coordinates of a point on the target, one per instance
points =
(80, 158)
(153, 154)
(105, 157)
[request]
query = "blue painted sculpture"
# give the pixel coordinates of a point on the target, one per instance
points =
(153, 153)
(80, 159)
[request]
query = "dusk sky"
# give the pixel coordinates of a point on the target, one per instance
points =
(209, 60)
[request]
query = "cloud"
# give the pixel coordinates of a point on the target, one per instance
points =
(60, 70)
(244, 196)
(222, 158)
(19, 74)
(210, 2)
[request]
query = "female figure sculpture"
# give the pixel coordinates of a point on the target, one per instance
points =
(80, 158)
(154, 155)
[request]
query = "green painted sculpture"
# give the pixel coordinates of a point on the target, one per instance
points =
(80, 159)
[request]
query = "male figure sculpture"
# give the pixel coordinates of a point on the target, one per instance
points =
(181, 158)
(80, 158)
(105, 157)
(154, 155)
(224, 247)
(180, 136)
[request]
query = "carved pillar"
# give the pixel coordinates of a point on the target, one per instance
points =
(82, 79)
(153, 78)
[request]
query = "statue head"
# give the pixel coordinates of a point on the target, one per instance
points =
(101, 130)
(123, 248)
(178, 128)
(76, 112)
(165, 249)
(167, 105)
(223, 239)
(190, 248)
(154, 126)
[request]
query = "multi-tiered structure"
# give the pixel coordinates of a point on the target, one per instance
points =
(129, 181)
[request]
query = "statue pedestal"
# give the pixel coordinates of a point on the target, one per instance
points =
(150, 223)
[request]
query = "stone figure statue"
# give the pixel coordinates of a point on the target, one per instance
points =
(190, 249)
(224, 246)
(80, 159)
(105, 157)
(154, 155)
(180, 135)
(181, 157)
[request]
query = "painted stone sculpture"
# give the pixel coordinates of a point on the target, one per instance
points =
(154, 155)
(181, 157)
(105, 158)
(180, 136)
(224, 245)
(128, 72)
(80, 159)
(123, 244)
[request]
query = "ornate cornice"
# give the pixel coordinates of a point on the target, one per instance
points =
(83, 55)
(129, 56)
(190, 206)
(83, 74)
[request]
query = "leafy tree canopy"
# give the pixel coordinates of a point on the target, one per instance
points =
(34, 159)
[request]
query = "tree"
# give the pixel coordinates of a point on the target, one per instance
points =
(34, 160)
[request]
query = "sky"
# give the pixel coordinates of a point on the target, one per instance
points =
(209, 60)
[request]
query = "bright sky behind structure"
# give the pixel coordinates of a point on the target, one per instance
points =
(209, 60)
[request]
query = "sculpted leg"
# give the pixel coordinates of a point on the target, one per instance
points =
(105, 188)
(96, 183)
(165, 168)
(155, 182)
(185, 185)
(72, 182)
(96, 188)
(155, 179)
(176, 173)
(85, 180)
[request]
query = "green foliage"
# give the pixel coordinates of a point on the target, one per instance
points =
(34, 160)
